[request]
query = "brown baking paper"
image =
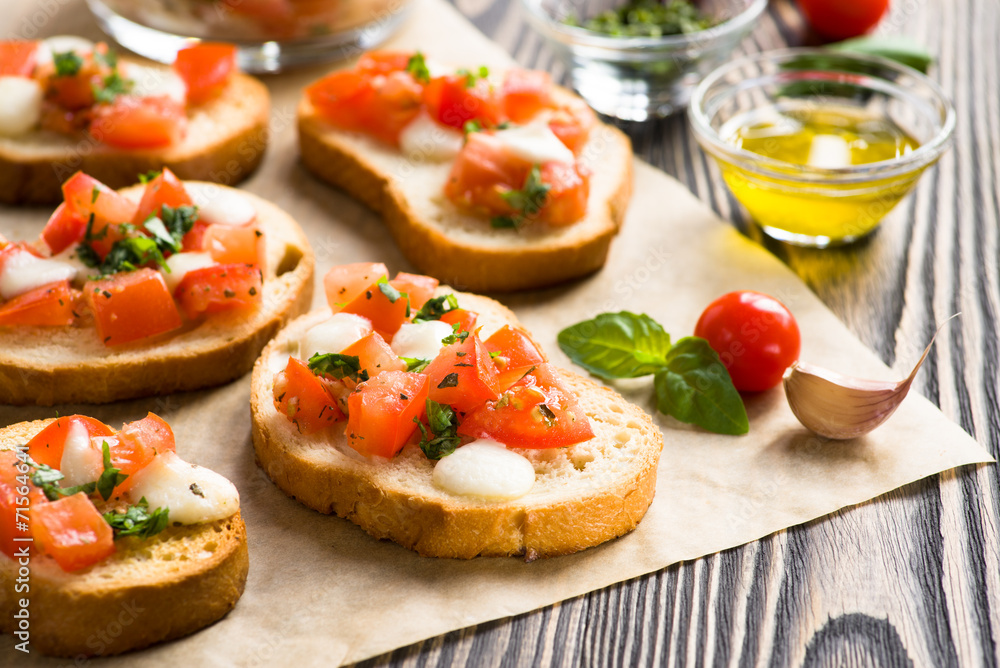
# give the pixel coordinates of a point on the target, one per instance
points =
(321, 591)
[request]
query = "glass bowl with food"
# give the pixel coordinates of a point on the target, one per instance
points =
(639, 59)
(819, 145)
(271, 34)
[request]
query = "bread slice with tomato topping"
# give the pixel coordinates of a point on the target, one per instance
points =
(245, 268)
(511, 456)
(499, 184)
(73, 106)
(97, 587)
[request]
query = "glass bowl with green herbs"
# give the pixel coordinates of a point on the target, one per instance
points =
(640, 59)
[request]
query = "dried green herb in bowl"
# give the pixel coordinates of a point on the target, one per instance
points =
(646, 18)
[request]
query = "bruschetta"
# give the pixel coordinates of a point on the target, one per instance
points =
(110, 541)
(71, 105)
(161, 287)
(431, 418)
(488, 181)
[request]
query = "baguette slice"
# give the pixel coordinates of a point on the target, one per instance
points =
(52, 365)
(461, 249)
(225, 142)
(583, 495)
(149, 591)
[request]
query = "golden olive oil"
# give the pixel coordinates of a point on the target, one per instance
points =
(826, 209)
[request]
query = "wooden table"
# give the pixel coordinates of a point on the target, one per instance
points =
(910, 579)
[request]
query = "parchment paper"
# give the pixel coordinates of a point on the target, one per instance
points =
(320, 591)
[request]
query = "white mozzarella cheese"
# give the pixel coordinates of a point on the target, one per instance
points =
(21, 108)
(420, 340)
(425, 139)
(485, 469)
(192, 493)
(180, 264)
(535, 143)
(82, 459)
(334, 334)
(23, 272)
(155, 82)
(221, 206)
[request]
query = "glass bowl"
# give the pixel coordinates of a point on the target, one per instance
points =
(818, 204)
(639, 78)
(271, 34)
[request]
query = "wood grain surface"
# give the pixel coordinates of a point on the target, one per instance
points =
(910, 579)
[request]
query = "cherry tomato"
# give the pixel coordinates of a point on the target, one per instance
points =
(219, 288)
(381, 411)
(50, 304)
(755, 335)
(131, 305)
(72, 532)
(841, 19)
(205, 68)
(304, 398)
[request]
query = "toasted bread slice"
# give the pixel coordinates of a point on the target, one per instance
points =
(461, 249)
(583, 495)
(50, 365)
(225, 142)
(152, 590)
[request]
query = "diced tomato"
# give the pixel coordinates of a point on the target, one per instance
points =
(381, 411)
(131, 305)
(16, 491)
(572, 125)
(3, 242)
(163, 190)
(483, 170)
(65, 228)
(526, 93)
(139, 122)
(344, 282)
(206, 68)
(537, 412)
(466, 320)
(72, 532)
(86, 195)
(379, 105)
(241, 244)
(420, 288)
(513, 353)
(46, 447)
(375, 355)
(452, 101)
(304, 398)
(463, 375)
(138, 442)
(194, 240)
(383, 62)
(17, 58)
(219, 288)
(569, 188)
(386, 316)
(51, 304)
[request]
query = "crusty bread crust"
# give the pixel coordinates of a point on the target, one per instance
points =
(584, 495)
(50, 365)
(460, 249)
(149, 591)
(225, 142)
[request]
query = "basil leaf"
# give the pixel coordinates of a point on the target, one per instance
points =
(138, 521)
(111, 477)
(900, 49)
(338, 365)
(440, 437)
(695, 387)
(436, 307)
(415, 364)
(617, 345)
(417, 67)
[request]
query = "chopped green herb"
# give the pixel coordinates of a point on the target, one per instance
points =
(111, 477)
(526, 202)
(415, 364)
(148, 176)
(138, 521)
(451, 380)
(111, 87)
(67, 63)
(436, 307)
(440, 437)
(338, 365)
(472, 77)
(646, 18)
(417, 66)
(455, 335)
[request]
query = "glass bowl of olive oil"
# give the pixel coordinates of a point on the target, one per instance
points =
(640, 59)
(819, 146)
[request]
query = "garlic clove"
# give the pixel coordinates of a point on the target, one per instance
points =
(841, 407)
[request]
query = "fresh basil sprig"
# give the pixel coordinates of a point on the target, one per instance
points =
(691, 382)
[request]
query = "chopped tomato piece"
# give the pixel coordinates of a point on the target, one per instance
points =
(304, 398)
(537, 412)
(525, 94)
(51, 304)
(514, 354)
(242, 244)
(419, 288)
(463, 375)
(386, 316)
(219, 288)
(131, 305)
(138, 442)
(378, 105)
(375, 355)
(381, 411)
(572, 125)
(139, 122)
(75, 92)
(163, 190)
(17, 58)
(482, 171)
(16, 491)
(569, 188)
(86, 195)
(452, 101)
(194, 240)
(46, 447)
(466, 320)
(72, 532)
(205, 68)
(383, 62)
(344, 282)
(65, 228)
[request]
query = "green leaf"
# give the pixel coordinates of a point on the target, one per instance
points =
(526, 202)
(415, 364)
(110, 477)
(338, 365)
(900, 49)
(390, 292)
(417, 66)
(696, 388)
(164, 240)
(440, 437)
(617, 345)
(436, 307)
(178, 221)
(130, 254)
(138, 521)
(111, 87)
(67, 63)
(455, 335)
